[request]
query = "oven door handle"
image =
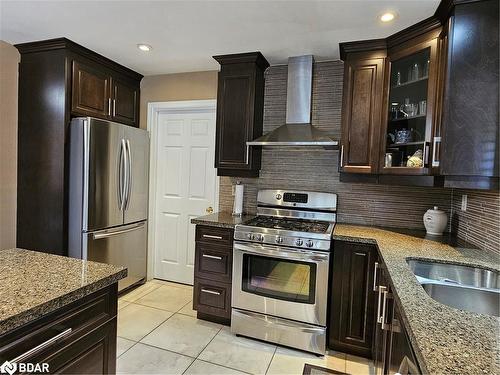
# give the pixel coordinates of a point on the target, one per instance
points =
(298, 254)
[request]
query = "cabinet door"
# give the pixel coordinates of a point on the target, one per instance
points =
(235, 102)
(471, 103)
(380, 334)
(125, 100)
(409, 126)
(90, 91)
(361, 114)
(351, 320)
(401, 359)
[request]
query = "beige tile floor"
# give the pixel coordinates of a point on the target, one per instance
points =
(158, 333)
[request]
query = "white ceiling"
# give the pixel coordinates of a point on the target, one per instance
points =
(185, 34)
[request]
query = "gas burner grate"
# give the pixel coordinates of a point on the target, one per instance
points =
(297, 225)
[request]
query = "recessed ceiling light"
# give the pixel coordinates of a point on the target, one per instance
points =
(387, 17)
(144, 47)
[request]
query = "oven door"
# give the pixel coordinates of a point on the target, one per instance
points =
(279, 281)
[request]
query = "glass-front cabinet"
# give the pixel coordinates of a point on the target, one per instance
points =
(406, 144)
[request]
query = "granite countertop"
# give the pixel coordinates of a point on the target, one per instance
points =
(222, 219)
(446, 340)
(33, 284)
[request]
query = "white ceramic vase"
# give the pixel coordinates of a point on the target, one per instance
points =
(435, 221)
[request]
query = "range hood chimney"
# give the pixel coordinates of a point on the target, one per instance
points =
(298, 130)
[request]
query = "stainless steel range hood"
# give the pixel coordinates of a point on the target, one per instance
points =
(298, 130)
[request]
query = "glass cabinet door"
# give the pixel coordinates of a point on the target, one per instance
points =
(409, 125)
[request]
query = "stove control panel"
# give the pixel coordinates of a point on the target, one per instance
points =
(279, 240)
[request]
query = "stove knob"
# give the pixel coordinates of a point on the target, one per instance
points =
(278, 196)
(298, 242)
(259, 237)
(309, 243)
(250, 236)
(279, 239)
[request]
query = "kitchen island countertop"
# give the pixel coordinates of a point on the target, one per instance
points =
(33, 284)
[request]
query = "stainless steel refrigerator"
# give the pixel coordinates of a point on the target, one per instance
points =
(108, 195)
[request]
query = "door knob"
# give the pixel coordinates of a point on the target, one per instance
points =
(209, 210)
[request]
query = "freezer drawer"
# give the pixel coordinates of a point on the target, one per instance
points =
(124, 245)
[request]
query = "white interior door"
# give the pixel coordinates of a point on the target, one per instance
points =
(186, 185)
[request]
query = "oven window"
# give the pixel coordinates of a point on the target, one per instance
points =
(278, 278)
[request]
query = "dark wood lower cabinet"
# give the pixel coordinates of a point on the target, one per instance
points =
(87, 337)
(364, 317)
(213, 273)
(401, 358)
(392, 350)
(351, 309)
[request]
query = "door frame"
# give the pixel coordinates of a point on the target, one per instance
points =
(154, 111)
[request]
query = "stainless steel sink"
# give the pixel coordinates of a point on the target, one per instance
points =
(462, 287)
(454, 273)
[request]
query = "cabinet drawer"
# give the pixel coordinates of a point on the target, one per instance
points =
(213, 262)
(66, 324)
(212, 297)
(214, 235)
(93, 353)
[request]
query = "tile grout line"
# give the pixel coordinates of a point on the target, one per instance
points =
(271, 361)
(153, 307)
(143, 295)
(135, 343)
(229, 368)
(212, 363)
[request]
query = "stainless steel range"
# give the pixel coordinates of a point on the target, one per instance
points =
(280, 269)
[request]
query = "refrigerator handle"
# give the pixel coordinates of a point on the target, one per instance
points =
(109, 232)
(128, 180)
(121, 172)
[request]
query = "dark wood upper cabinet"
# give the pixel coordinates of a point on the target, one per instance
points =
(240, 106)
(90, 91)
(409, 127)
(59, 79)
(124, 101)
(440, 110)
(352, 305)
(362, 112)
(470, 142)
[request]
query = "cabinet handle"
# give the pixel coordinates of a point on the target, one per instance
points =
(212, 236)
(426, 154)
(210, 292)
(375, 288)
(435, 161)
(109, 106)
(341, 156)
(384, 305)
(42, 346)
(380, 291)
(211, 256)
(114, 107)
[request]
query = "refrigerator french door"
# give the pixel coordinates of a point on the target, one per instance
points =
(108, 196)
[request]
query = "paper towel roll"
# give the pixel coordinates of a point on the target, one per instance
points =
(238, 200)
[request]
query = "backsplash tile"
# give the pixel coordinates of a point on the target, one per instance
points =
(480, 223)
(316, 169)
